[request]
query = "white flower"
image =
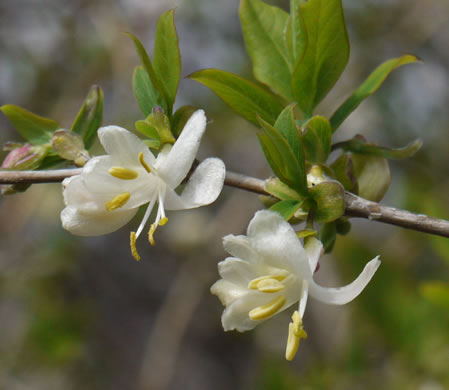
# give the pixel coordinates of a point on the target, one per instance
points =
(270, 271)
(111, 188)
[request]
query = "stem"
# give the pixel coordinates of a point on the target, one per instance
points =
(355, 205)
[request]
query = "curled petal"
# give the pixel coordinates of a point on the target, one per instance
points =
(343, 295)
(313, 248)
(177, 163)
(303, 298)
(203, 187)
(94, 224)
(123, 146)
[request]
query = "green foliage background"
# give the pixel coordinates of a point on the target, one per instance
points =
(80, 313)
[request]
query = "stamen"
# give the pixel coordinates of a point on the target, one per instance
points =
(118, 201)
(253, 284)
(266, 311)
(295, 333)
(270, 285)
(153, 228)
(132, 241)
(143, 163)
(163, 221)
(123, 173)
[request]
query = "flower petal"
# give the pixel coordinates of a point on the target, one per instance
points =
(275, 240)
(94, 224)
(240, 247)
(313, 248)
(203, 187)
(303, 298)
(343, 295)
(177, 163)
(238, 271)
(123, 146)
(103, 186)
(227, 291)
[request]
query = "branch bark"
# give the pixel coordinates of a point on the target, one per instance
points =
(355, 205)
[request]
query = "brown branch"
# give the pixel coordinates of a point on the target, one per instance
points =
(355, 205)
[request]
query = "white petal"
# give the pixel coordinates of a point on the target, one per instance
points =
(240, 247)
(177, 163)
(203, 187)
(123, 146)
(313, 248)
(94, 225)
(227, 291)
(275, 240)
(76, 195)
(103, 186)
(342, 295)
(239, 272)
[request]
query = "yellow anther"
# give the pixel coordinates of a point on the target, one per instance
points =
(270, 285)
(118, 201)
(266, 311)
(132, 241)
(253, 284)
(123, 173)
(163, 221)
(295, 333)
(143, 163)
(153, 228)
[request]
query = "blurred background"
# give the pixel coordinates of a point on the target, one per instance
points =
(80, 313)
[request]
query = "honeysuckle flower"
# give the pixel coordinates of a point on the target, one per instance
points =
(269, 271)
(110, 189)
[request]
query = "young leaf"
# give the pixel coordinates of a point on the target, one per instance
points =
(370, 85)
(328, 235)
(329, 201)
(287, 168)
(295, 40)
(34, 128)
(317, 139)
(280, 190)
(146, 94)
(90, 116)
(180, 118)
(373, 176)
(167, 58)
(146, 62)
(263, 29)
(244, 97)
(344, 172)
(286, 208)
(326, 52)
(358, 145)
(146, 128)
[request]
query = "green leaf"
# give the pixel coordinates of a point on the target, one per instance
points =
(306, 233)
(286, 208)
(167, 58)
(286, 125)
(295, 41)
(146, 94)
(89, 118)
(34, 128)
(284, 161)
(358, 145)
(146, 62)
(263, 29)
(370, 85)
(147, 129)
(373, 176)
(180, 118)
(344, 172)
(280, 190)
(326, 52)
(329, 201)
(244, 97)
(317, 139)
(328, 236)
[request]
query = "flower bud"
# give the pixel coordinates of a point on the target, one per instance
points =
(24, 156)
(70, 146)
(162, 126)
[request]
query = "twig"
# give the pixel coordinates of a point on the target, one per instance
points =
(355, 205)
